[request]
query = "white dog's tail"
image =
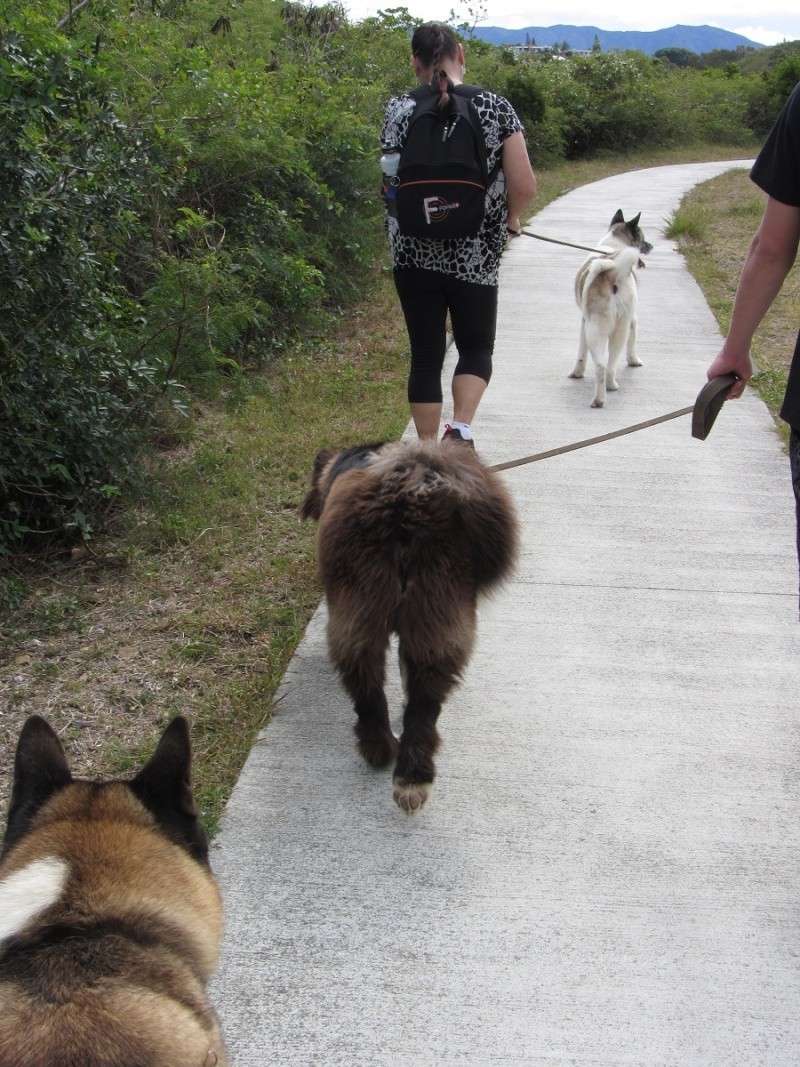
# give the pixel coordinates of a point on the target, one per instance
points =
(619, 265)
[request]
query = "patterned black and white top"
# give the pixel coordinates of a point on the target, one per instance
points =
(472, 259)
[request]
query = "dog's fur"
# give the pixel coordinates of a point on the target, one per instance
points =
(606, 293)
(110, 919)
(410, 534)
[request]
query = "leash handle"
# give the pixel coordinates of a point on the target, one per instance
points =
(709, 402)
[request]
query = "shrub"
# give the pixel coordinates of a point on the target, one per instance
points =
(70, 395)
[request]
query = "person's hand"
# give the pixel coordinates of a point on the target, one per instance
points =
(738, 363)
(513, 225)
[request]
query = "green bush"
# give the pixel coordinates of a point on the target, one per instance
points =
(171, 231)
(71, 396)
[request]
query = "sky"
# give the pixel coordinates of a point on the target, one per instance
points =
(768, 22)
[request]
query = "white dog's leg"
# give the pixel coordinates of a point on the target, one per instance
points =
(633, 359)
(597, 343)
(580, 365)
(616, 343)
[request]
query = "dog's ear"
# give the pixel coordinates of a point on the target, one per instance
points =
(166, 777)
(619, 217)
(164, 786)
(311, 508)
(633, 224)
(40, 770)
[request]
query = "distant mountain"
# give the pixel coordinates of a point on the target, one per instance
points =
(696, 38)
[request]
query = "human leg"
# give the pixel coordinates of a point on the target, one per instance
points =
(473, 312)
(424, 305)
(794, 460)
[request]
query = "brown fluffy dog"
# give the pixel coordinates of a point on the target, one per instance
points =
(410, 534)
(110, 919)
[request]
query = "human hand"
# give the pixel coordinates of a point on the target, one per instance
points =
(738, 363)
(513, 225)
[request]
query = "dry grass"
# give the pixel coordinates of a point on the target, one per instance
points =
(198, 600)
(714, 226)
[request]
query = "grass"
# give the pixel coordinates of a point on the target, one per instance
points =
(197, 600)
(689, 221)
(714, 225)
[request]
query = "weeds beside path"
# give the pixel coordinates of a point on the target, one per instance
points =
(197, 601)
(714, 226)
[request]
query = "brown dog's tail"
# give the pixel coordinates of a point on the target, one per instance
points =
(443, 504)
(492, 527)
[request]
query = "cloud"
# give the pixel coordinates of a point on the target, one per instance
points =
(762, 34)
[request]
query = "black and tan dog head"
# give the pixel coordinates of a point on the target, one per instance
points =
(328, 465)
(630, 232)
(110, 918)
(45, 791)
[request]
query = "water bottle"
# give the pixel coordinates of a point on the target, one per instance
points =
(389, 164)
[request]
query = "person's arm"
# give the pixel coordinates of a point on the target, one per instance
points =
(520, 179)
(772, 252)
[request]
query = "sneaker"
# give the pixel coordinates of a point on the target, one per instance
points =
(452, 434)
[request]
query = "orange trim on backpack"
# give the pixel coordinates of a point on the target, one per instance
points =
(441, 181)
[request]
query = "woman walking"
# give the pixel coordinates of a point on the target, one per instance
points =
(434, 275)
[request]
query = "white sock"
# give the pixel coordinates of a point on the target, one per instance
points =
(463, 428)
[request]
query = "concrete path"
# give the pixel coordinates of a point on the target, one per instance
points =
(608, 869)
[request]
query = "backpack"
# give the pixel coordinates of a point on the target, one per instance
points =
(442, 175)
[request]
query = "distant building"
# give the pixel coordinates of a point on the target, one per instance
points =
(522, 51)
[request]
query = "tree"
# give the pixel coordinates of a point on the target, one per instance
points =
(678, 57)
(596, 46)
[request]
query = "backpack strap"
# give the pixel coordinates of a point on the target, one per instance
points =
(468, 92)
(426, 98)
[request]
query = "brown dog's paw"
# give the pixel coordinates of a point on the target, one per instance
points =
(410, 796)
(379, 750)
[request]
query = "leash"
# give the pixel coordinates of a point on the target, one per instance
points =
(704, 412)
(556, 241)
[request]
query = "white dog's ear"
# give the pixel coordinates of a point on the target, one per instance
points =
(619, 217)
(633, 223)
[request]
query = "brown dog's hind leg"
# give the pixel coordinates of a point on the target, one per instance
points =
(427, 686)
(376, 742)
(361, 667)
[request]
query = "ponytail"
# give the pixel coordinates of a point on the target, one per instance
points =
(431, 43)
(442, 84)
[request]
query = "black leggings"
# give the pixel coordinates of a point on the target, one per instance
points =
(426, 296)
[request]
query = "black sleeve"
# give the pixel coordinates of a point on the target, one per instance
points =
(777, 169)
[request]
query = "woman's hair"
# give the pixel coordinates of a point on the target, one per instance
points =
(432, 42)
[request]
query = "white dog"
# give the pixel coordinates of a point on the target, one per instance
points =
(606, 293)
